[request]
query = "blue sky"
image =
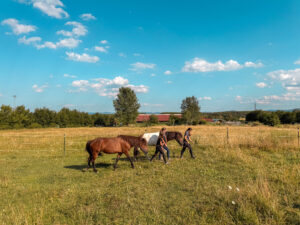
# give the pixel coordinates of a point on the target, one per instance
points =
(76, 54)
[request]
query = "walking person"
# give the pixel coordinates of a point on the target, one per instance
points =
(159, 146)
(186, 142)
(163, 130)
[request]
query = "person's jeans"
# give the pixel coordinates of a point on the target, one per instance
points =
(159, 149)
(187, 145)
(168, 152)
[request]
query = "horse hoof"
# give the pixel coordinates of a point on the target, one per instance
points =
(96, 171)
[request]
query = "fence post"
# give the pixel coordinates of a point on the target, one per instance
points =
(64, 144)
(298, 137)
(227, 136)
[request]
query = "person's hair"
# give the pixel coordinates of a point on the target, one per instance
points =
(161, 132)
(189, 129)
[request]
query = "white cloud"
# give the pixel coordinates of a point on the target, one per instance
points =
(201, 65)
(136, 54)
(297, 62)
(167, 72)
(69, 76)
(100, 49)
(254, 65)
(238, 98)
(77, 30)
(152, 74)
(39, 89)
(104, 42)
(169, 82)
(18, 28)
(289, 79)
(261, 85)
(28, 41)
(82, 58)
(121, 54)
(87, 16)
(151, 105)
(270, 99)
(63, 43)
(205, 98)
(106, 87)
(139, 66)
(52, 8)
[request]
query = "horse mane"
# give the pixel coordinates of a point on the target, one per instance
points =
(132, 140)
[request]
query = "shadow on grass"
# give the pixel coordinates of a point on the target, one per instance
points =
(139, 159)
(81, 167)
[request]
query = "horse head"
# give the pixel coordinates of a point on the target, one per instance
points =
(179, 138)
(144, 146)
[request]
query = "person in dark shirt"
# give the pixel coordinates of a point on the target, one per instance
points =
(163, 130)
(159, 146)
(186, 142)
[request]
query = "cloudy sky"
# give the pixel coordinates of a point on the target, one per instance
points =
(76, 54)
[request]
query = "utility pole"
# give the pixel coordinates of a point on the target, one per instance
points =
(254, 106)
(14, 106)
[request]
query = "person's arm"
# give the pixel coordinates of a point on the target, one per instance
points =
(161, 142)
(186, 139)
(190, 138)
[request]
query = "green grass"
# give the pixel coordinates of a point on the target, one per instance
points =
(47, 188)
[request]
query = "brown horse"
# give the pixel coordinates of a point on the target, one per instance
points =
(170, 135)
(119, 145)
(175, 135)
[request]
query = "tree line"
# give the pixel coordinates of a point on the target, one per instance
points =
(274, 118)
(126, 111)
(20, 117)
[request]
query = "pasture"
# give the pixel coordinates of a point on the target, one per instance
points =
(251, 177)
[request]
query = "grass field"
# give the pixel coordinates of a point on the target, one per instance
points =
(253, 177)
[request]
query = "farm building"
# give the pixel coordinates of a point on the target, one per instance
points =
(161, 117)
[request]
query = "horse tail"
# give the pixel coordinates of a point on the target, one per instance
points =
(88, 147)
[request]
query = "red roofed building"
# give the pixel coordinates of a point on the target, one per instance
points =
(161, 117)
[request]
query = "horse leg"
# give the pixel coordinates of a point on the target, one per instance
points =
(117, 159)
(128, 156)
(135, 153)
(93, 161)
(89, 162)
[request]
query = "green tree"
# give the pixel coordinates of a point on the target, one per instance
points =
(190, 110)
(21, 117)
(253, 116)
(152, 120)
(287, 117)
(126, 106)
(298, 116)
(44, 116)
(269, 118)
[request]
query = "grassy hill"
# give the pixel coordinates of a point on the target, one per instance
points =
(251, 178)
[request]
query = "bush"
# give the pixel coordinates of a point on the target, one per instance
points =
(153, 119)
(203, 122)
(270, 119)
(264, 117)
(35, 125)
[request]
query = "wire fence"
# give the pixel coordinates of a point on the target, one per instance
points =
(62, 144)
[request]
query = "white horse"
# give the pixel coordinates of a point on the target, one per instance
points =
(151, 138)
